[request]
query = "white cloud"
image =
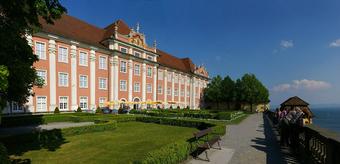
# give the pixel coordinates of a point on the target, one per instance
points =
(335, 43)
(303, 84)
(286, 44)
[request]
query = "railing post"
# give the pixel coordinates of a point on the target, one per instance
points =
(307, 145)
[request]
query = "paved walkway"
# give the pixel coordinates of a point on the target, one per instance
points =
(250, 142)
(49, 126)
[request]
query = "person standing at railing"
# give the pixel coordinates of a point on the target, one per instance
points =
(295, 126)
(284, 127)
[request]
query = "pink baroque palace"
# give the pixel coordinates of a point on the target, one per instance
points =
(86, 66)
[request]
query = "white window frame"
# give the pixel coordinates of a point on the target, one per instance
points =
(175, 92)
(148, 88)
(45, 78)
(61, 107)
(101, 101)
(100, 83)
(135, 70)
(149, 72)
(136, 87)
(59, 82)
(176, 78)
(59, 54)
(126, 49)
(101, 64)
(149, 57)
(182, 93)
(121, 86)
(86, 58)
(36, 109)
(123, 67)
(160, 75)
(82, 103)
(170, 77)
(44, 51)
(159, 89)
(86, 82)
(137, 54)
(168, 91)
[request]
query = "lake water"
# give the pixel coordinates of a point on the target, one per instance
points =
(328, 118)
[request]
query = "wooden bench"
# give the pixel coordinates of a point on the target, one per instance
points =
(208, 143)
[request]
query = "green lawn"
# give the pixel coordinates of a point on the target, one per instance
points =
(129, 142)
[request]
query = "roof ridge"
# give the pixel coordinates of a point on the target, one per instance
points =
(77, 19)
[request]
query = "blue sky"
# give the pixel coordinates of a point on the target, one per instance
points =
(290, 45)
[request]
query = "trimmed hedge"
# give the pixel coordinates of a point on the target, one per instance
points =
(170, 154)
(4, 159)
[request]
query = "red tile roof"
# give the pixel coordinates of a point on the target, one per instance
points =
(78, 30)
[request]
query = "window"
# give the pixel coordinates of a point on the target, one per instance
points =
(83, 59)
(138, 54)
(176, 92)
(123, 85)
(182, 93)
(149, 73)
(150, 57)
(148, 88)
(176, 78)
(124, 50)
(102, 62)
(159, 89)
(43, 75)
(83, 102)
(40, 50)
(169, 91)
(41, 104)
(188, 94)
(62, 55)
(102, 83)
(102, 101)
(182, 80)
(160, 75)
(83, 81)
(169, 77)
(63, 79)
(63, 102)
(123, 66)
(16, 106)
(137, 69)
(136, 87)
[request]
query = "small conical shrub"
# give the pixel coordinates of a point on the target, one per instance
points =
(79, 110)
(56, 110)
(98, 110)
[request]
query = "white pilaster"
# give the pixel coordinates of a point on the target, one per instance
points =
(194, 93)
(130, 67)
(53, 75)
(93, 79)
(179, 89)
(74, 98)
(111, 81)
(165, 89)
(143, 84)
(115, 80)
(154, 83)
(185, 91)
(173, 87)
(30, 104)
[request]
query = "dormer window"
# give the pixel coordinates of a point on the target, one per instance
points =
(138, 54)
(123, 49)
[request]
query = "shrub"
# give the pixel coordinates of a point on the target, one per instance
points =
(98, 110)
(171, 154)
(4, 159)
(79, 110)
(224, 115)
(56, 110)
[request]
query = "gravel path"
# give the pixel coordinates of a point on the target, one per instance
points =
(49, 126)
(253, 142)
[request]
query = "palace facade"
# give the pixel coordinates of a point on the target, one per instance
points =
(87, 66)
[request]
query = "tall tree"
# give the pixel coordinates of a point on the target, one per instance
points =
(17, 19)
(228, 90)
(252, 90)
(213, 92)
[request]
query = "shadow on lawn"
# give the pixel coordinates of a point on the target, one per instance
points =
(27, 138)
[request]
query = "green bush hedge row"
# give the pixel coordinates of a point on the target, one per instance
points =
(191, 114)
(4, 159)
